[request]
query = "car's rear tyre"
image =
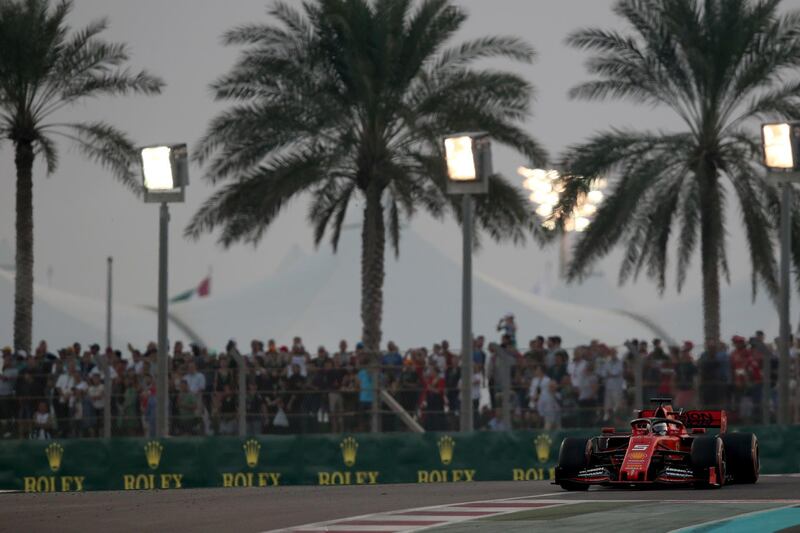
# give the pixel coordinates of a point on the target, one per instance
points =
(741, 450)
(708, 452)
(572, 458)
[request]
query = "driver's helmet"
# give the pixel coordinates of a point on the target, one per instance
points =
(660, 428)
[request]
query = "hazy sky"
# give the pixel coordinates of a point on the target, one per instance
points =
(82, 215)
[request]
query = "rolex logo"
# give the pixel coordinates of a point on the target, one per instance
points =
(54, 454)
(152, 451)
(349, 447)
(542, 443)
(446, 446)
(251, 451)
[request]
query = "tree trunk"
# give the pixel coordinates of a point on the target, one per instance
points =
(23, 290)
(710, 242)
(373, 237)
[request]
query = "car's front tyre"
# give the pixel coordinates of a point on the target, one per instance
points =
(742, 452)
(572, 458)
(709, 453)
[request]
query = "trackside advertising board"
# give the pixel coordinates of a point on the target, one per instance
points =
(269, 461)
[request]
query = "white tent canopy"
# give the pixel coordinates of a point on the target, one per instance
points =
(317, 297)
(61, 318)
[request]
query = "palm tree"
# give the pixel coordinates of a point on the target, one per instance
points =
(347, 100)
(719, 65)
(44, 68)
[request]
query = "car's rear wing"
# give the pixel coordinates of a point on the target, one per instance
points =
(695, 418)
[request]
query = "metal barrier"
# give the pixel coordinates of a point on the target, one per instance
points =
(345, 459)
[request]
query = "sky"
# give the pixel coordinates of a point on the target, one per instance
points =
(83, 216)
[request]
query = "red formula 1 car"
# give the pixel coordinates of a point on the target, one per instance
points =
(663, 447)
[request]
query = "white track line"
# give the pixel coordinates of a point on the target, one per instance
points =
(438, 513)
(417, 514)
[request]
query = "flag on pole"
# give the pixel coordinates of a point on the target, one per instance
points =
(203, 290)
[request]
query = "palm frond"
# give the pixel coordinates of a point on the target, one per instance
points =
(245, 208)
(109, 147)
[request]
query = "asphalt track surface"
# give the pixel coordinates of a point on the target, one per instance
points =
(258, 510)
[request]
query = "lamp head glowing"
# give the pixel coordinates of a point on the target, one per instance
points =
(157, 168)
(165, 172)
(460, 159)
(468, 157)
(779, 146)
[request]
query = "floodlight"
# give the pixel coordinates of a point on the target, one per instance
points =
(469, 163)
(165, 172)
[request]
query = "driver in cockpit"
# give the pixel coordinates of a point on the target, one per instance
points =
(660, 428)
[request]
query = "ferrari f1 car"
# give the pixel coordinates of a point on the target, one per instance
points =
(663, 447)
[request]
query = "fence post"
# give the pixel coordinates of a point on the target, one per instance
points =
(241, 408)
(107, 385)
(766, 378)
(505, 385)
(102, 362)
(638, 379)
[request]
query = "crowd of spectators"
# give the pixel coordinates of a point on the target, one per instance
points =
(288, 390)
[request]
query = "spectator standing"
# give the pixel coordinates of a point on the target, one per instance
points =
(256, 351)
(64, 388)
(508, 327)
(548, 405)
(613, 386)
(96, 396)
(28, 396)
(128, 413)
(479, 355)
(8, 380)
(477, 381)
(685, 377)
(438, 359)
(739, 357)
(450, 357)
(256, 410)
(755, 378)
(536, 352)
(452, 379)
(342, 358)
(577, 367)
(539, 383)
(366, 391)
(711, 390)
(227, 411)
(332, 376)
(195, 380)
(587, 396)
(434, 403)
(410, 387)
(553, 349)
(43, 424)
(295, 390)
(560, 367)
(188, 405)
(350, 402)
(392, 361)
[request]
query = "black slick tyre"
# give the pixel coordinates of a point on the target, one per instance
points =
(708, 452)
(741, 450)
(571, 460)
